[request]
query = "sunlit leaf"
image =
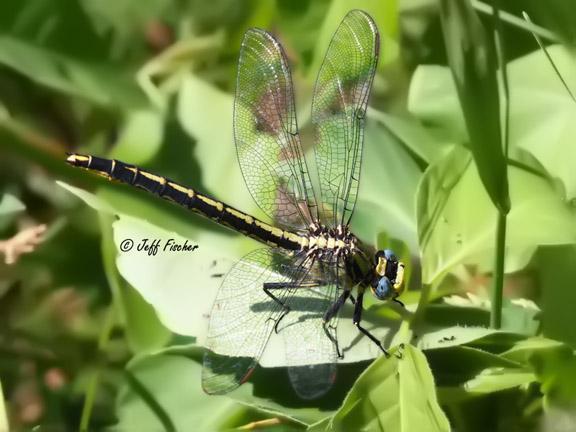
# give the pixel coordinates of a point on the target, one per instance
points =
(3, 414)
(395, 395)
(143, 329)
(411, 133)
(498, 379)
(452, 233)
(389, 179)
(541, 111)
(9, 205)
(472, 58)
(385, 14)
(174, 384)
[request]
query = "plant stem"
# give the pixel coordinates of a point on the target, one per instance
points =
(150, 401)
(93, 385)
(498, 281)
(500, 249)
(517, 22)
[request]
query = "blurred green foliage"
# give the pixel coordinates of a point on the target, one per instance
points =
(93, 339)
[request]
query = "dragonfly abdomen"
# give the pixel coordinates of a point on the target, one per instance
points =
(190, 199)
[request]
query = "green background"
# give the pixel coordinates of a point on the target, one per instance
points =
(468, 174)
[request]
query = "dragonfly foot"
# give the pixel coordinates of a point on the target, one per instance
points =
(286, 310)
(400, 354)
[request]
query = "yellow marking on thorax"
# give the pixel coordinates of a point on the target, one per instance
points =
(295, 238)
(331, 243)
(321, 242)
(133, 169)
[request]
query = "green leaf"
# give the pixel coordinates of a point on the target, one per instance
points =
(455, 366)
(143, 329)
(173, 383)
(556, 371)
(179, 285)
(97, 83)
(4, 426)
(211, 125)
(520, 316)
(451, 336)
(140, 138)
(472, 59)
(497, 379)
(412, 134)
(9, 205)
(452, 234)
(89, 198)
(389, 179)
(556, 273)
(523, 350)
(395, 395)
(418, 395)
(541, 111)
(385, 14)
(432, 98)
(187, 361)
(556, 15)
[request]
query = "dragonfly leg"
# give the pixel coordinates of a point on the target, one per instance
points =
(357, 318)
(268, 286)
(333, 339)
(395, 300)
(285, 308)
(330, 313)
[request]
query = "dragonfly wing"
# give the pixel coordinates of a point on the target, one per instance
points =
(243, 316)
(266, 133)
(338, 113)
(310, 351)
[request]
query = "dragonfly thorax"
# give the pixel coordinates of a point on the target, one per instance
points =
(321, 239)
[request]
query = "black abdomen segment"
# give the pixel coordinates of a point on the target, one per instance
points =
(190, 199)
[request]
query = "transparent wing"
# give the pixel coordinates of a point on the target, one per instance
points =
(266, 133)
(243, 316)
(338, 111)
(311, 347)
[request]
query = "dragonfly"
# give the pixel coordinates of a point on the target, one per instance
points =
(312, 263)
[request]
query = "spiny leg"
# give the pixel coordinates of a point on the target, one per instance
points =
(331, 313)
(395, 300)
(357, 318)
(268, 286)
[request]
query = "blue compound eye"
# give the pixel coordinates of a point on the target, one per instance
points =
(383, 290)
(389, 255)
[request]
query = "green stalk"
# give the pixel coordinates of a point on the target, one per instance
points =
(498, 280)
(93, 384)
(500, 249)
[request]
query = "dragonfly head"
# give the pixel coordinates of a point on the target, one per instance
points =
(388, 277)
